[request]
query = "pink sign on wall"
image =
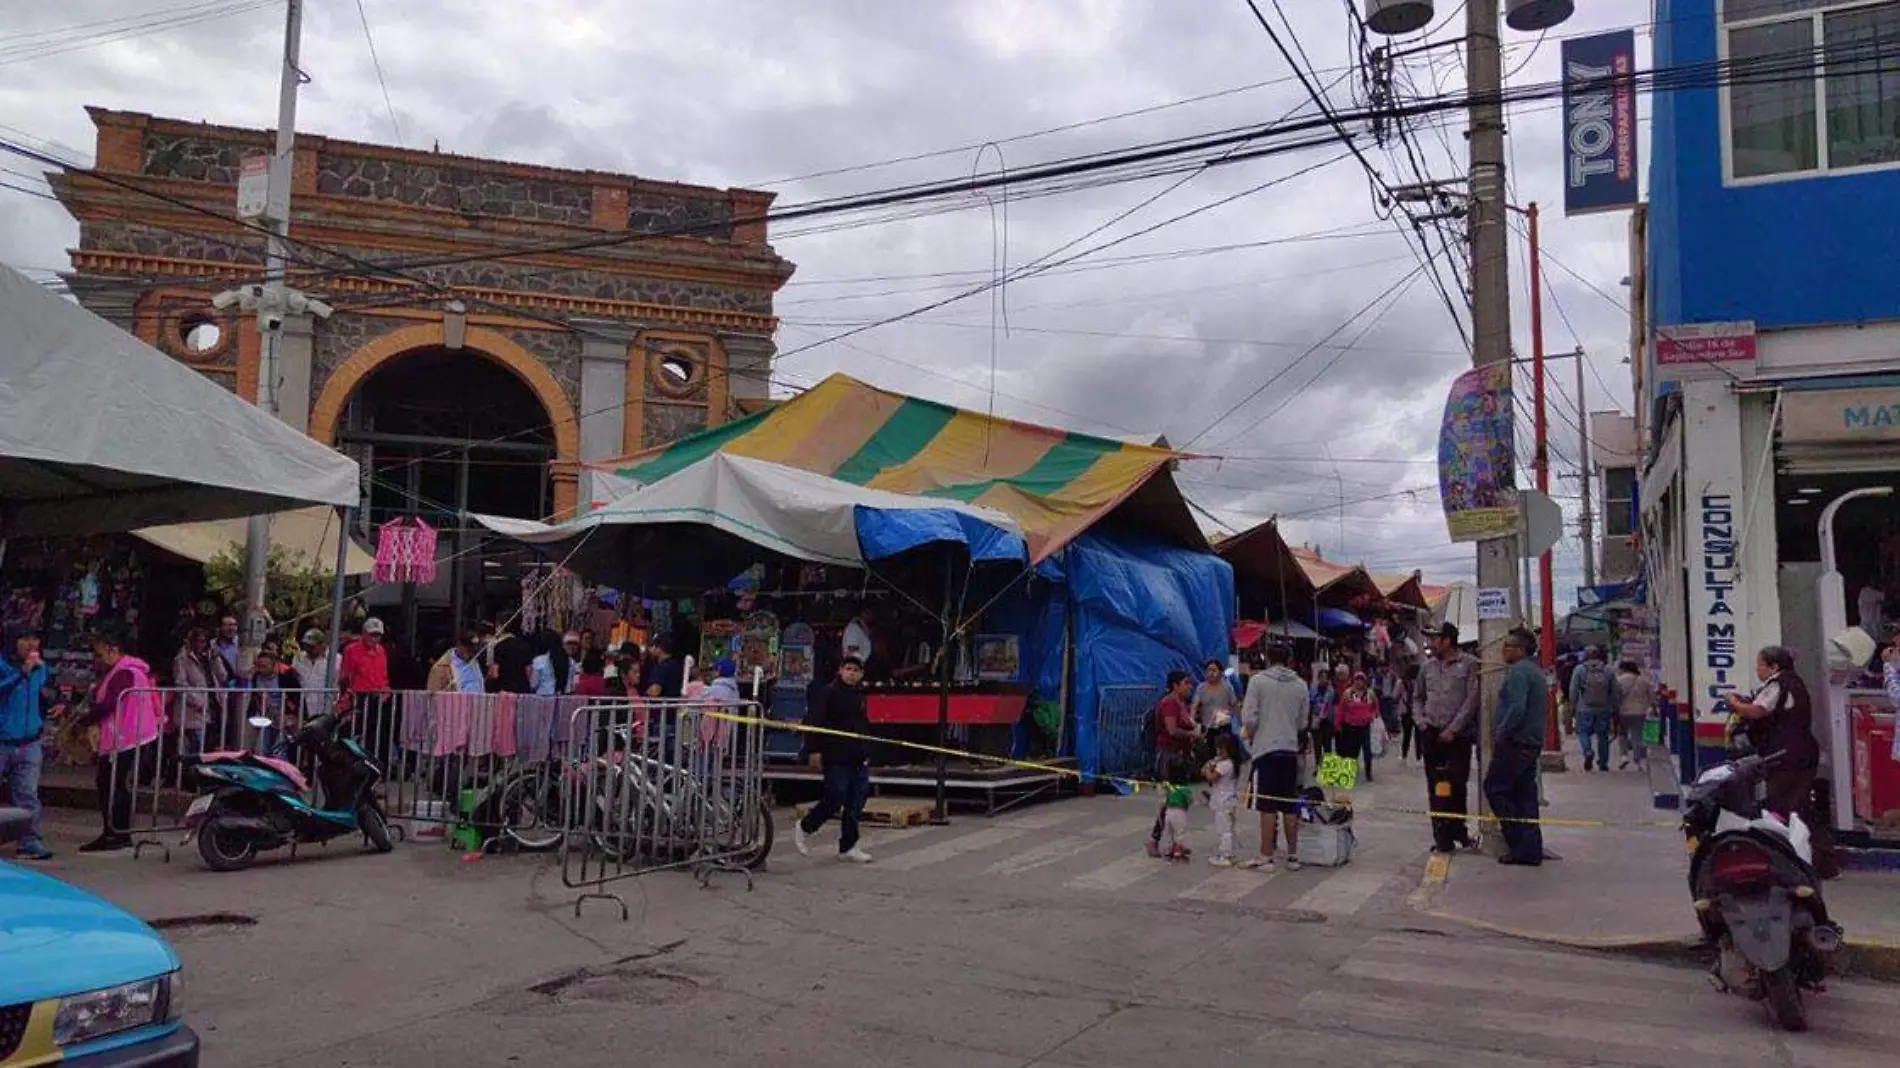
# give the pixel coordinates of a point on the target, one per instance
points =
(1705, 343)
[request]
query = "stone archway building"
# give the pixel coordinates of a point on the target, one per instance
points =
(659, 323)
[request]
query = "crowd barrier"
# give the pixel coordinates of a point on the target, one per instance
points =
(1120, 712)
(658, 786)
(619, 786)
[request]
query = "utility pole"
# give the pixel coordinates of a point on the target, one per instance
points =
(1490, 318)
(1583, 460)
(270, 304)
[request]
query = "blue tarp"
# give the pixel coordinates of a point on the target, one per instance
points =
(1142, 609)
(886, 532)
(1339, 619)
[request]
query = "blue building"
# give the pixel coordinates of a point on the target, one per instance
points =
(1768, 342)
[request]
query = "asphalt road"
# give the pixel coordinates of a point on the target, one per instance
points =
(1042, 937)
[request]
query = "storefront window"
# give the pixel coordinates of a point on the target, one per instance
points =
(1774, 104)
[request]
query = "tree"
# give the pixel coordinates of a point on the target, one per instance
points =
(295, 585)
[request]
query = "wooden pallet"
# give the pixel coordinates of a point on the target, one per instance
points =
(891, 811)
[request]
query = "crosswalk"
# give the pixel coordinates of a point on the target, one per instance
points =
(1096, 847)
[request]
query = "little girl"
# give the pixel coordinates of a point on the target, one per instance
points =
(1180, 796)
(1223, 772)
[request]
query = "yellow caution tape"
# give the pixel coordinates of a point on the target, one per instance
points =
(1135, 786)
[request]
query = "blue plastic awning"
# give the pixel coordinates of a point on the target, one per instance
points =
(1339, 619)
(886, 532)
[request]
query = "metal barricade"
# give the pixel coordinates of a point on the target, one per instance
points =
(149, 744)
(1120, 711)
(660, 785)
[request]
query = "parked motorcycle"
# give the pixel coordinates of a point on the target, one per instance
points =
(1756, 892)
(250, 803)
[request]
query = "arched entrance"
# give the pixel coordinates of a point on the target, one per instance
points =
(440, 433)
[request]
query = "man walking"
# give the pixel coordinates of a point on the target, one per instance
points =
(843, 757)
(1595, 696)
(1271, 716)
(1510, 783)
(1446, 710)
(22, 681)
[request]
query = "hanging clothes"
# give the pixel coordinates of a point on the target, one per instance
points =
(422, 539)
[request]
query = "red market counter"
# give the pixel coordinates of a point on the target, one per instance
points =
(966, 709)
(1876, 773)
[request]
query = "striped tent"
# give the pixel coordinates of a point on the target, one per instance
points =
(1054, 483)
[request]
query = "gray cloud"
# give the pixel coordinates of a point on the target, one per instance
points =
(744, 92)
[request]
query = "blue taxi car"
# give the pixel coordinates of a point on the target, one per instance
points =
(82, 982)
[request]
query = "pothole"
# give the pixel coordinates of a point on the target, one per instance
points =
(631, 985)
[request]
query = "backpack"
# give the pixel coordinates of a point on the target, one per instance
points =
(1596, 685)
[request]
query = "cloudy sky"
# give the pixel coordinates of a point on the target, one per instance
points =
(1160, 333)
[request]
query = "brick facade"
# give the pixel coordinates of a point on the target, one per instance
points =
(391, 236)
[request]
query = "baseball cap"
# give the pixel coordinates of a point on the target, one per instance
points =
(372, 625)
(313, 636)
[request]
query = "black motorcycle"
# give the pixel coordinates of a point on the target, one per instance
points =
(1757, 896)
(252, 803)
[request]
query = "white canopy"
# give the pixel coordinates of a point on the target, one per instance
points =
(310, 532)
(792, 512)
(100, 432)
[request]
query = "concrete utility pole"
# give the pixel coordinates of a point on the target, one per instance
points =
(270, 304)
(1584, 524)
(1490, 317)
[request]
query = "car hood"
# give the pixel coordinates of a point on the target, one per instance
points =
(56, 939)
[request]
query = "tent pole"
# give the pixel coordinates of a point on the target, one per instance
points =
(942, 815)
(336, 589)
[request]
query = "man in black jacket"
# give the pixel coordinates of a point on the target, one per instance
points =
(843, 757)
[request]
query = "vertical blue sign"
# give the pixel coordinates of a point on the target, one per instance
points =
(1600, 123)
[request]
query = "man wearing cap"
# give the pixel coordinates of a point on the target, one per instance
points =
(363, 677)
(1446, 710)
(311, 665)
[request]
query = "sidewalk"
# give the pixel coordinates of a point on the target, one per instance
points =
(1625, 887)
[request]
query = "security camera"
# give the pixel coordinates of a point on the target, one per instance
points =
(225, 300)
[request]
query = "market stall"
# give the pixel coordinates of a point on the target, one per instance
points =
(1115, 500)
(779, 570)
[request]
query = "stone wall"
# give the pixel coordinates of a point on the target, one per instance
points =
(194, 158)
(663, 423)
(151, 241)
(340, 335)
(652, 213)
(560, 353)
(454, 188)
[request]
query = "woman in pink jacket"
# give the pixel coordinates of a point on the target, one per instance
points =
(1353, 717)
(130, 717)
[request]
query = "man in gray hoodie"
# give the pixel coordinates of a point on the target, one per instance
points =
(1271, 718)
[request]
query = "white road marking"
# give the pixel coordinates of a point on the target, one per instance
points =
(1119, 874)
(950, 849)
(1050, 852)
(1343, 892)
(1227, 886)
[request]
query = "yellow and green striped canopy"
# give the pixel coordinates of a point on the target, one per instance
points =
(1054, 483)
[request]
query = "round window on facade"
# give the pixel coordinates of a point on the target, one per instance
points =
(677, 372)
(202, 336)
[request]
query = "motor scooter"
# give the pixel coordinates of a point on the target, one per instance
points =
(250, 802)
(1757, 896)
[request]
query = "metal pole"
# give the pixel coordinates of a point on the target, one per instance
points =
(270, 318)
(1490, 317)
(1584, 524)
(336, 590)
(1546, 581)
(942, 815)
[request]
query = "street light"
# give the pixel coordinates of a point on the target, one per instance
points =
(1832, 595)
